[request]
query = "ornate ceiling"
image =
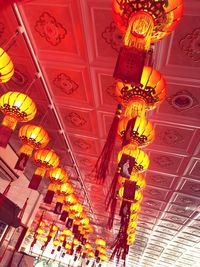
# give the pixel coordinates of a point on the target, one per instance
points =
(73, 45)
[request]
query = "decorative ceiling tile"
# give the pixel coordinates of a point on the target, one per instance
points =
(174, 137)
(165, 162)
(155, 193)
(180, 210)
(174, 218)
(191, 188)
(170, 225)
(159, 180)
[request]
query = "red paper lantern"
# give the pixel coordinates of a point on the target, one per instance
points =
(165, 16)
(146, 96)
(44, 159)
(17, 107)
(32, 137)
(6, 66)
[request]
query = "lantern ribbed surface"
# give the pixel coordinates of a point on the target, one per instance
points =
(141, 158)
(150, 93)
(166, 15)
(142, 132)
(34, 136)
(18, 105)
(6, 67)
(57, 175)
(46, 158)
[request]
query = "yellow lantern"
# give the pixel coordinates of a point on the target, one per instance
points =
(135, 207)
(40, 231)
(44, 159)
(71, 199)
(100, 242)
(45, 238)
(65, 189)
(67, 232)
(91, 254)
(141, 159)
(68, 246)
(6, 67)
(17, 107)
(57, 175)
(77, 208)
(76, 242)
(102, 250)
(32, 137)
(103, 257)
(138, 131)
(88, 246)
(62, 238)
(56, 242)
(146, 96)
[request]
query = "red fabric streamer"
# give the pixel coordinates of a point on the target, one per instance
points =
(102, 165)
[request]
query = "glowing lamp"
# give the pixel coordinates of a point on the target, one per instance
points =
(68, 246)
(138, 131)
(6, 67)
(135, 207)
(61, 238)
(56, 242)
(17, 107)
(76, 242)
(71, 199)
(65, 189)
(100, 242)
(138, 196)
(57, 175)
(77, 208)
(138, 156)
(138, 17)
(103, 257)
(148, 95)
(88, 246)
(40, 231)
(44, 159)
(102, 250)
(32, 137)
(67, 232)
(54, 228)
(91, 254)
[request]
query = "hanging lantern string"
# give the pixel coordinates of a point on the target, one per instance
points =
(11, 41)
(36, 77)
(44, 117)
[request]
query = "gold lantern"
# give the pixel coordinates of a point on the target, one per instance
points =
(17, 107)
(44, 159)
(32, 137)
(6, 67)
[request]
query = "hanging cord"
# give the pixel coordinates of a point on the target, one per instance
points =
(11, 41)
(36, 78)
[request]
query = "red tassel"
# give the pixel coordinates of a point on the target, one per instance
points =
(112, 213)
(102, 165)
(112, 190)
(5, 134)
(35, 182)
(49, 197)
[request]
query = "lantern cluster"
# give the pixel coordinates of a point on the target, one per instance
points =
(64, 241)
(139, 88)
